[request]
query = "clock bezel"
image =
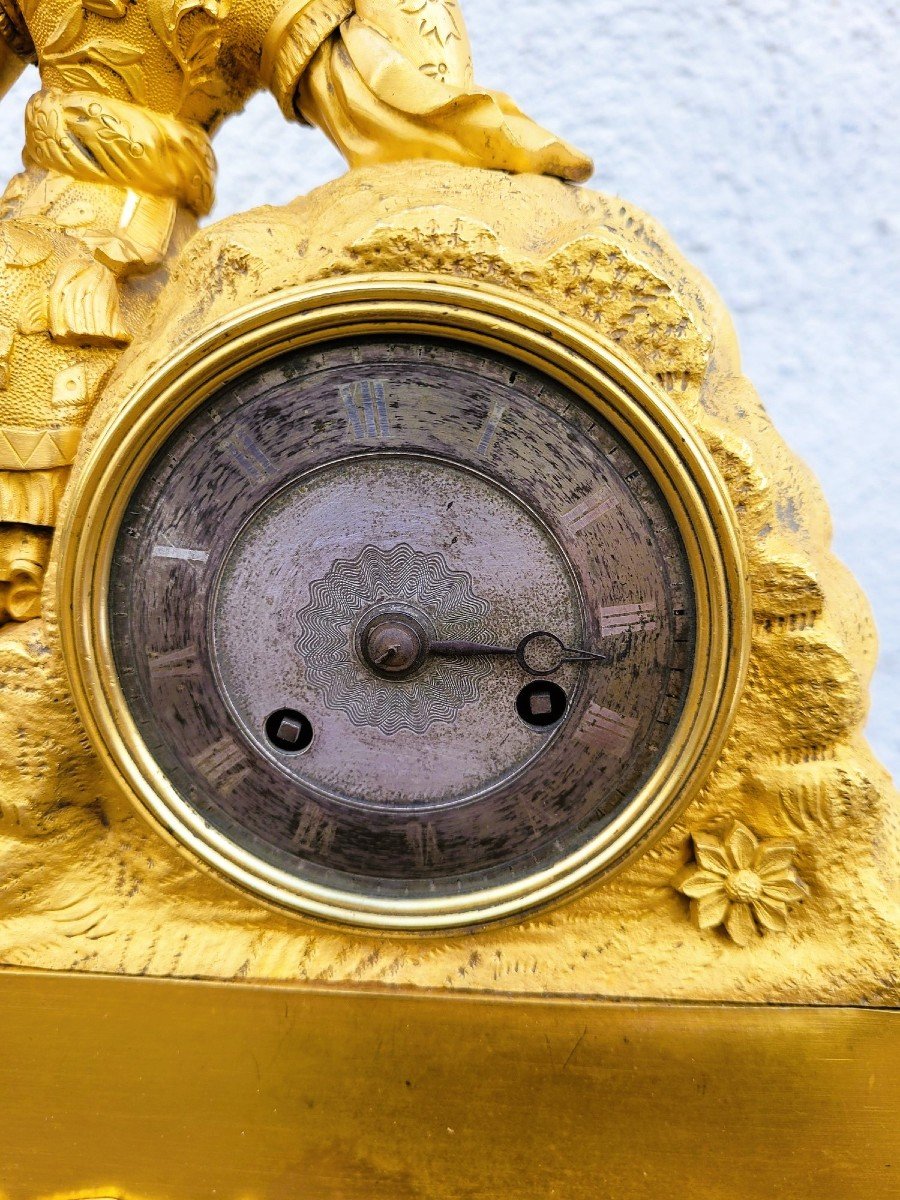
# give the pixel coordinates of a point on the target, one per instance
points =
(474, 314)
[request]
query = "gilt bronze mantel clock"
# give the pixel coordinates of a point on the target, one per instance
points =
(430, 713)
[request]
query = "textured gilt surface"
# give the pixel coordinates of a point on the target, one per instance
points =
(119, 166)
(275, 1092)
(87, 886)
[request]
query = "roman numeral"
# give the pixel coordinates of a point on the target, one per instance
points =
(534, 815)
(166, 550)
(628, 618)
(589, 511)
(423, 842)
(490, 428)
(222, 765)
(175, 663)
(249, 459)
(314, 832)
(603, 729)
(366, 406)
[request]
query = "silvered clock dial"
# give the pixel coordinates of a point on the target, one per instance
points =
(407, 625)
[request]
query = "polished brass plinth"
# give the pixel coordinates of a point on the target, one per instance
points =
(191, 1091)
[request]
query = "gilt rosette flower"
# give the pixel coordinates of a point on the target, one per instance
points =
(741, 882)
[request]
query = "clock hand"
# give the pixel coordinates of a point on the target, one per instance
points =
(468, 649)
(558, 655)
(394, 644)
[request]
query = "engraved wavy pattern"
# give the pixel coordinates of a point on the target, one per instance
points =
(401, 576)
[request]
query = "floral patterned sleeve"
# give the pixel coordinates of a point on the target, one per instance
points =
(298, 31)
(392, 80)
(396, 83)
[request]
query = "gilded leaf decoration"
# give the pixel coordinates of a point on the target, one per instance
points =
(78, 67)
(65, 33)
(34, 311)
(80, 77)
(123, 61)
(76, 214)
(114, 9)
(196, 52)
(23, 246)
(437, 19)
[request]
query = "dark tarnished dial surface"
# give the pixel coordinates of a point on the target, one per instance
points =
(309, 534)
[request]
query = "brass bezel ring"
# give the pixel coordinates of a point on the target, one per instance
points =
(474, 314)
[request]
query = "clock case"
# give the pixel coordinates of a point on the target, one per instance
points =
(110, 904)
(303, 319)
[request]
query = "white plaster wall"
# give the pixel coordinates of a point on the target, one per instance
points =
(766, 135)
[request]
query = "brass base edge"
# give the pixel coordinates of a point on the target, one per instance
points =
(162, 1090)
(376, 991)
